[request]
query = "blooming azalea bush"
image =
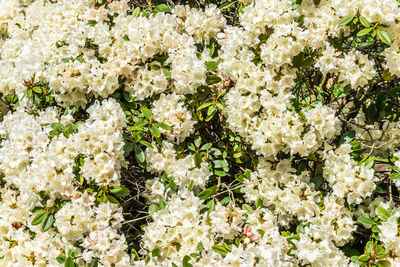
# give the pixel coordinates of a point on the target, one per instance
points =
(222, 133)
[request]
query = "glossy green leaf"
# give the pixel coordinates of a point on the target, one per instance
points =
(185, 261)
(212, 79)
(247, 208)
(198, 160)
(39, 218)
(163, 126)
(155, 131)
(139, 154)
(167, 73)
(382, 213)
(136, 12)
(366, 220)
(364, 31)
(153, 208)
(346, 20)
(220, 249)
(69, 262)
(146, 112)
(394, 175)
(384, 37)
(364, 22)
(47, 222)
(61, 258)
(119, 191)
(208, 192)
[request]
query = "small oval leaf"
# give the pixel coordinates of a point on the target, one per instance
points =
(384, 37)
(346, 20)
(39, 218)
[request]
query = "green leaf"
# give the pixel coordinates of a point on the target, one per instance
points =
(92, 22)
(140, 124)
(369, 163)
(61, 258)
(212, 48)
(259, 203)
(155, 131)
(146, 112)
(167, 73)
(197, 141)
(119, 191)
(384, 37)
(80, 58)
(191, 185)
(185, 261)
(364, 22)
(394, 176)
(375, 229)
(69, 262)
(127, 96)
(363, 257)
(383, 263)
(155, 252)
(162, 204)
(39, 218)
(366, 220)
(211, 65)
(347, 137)
(155, 67)
(145, 143)
(206, 147)
(65, 59)
(134, 252)
(220, 249)
(139, 154)
(395, 91)
(211, 206)
(205, 105)
(200, 247)
(248, 208)
(208, 192)
(37, 89)
(113, 199)
(364, 31)
(212, 79)
(317, 181)
(47, 222)
(219, 173)
(382, 213)
(197, 160)
(356, 260)
(136, 12)
(173, 186)
(346, 20)
(164, 126)
(128, 147)
(163, 8)
(153, 208)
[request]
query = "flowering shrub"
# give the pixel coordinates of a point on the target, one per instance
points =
(231, 133)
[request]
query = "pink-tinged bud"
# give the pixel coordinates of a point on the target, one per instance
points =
(91, 242)
(246, 229)
(17, 225)
(93, 6)
(227, 82)
(230, 205)
(109, 1)
(255, 237)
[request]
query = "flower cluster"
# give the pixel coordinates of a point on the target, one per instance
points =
(257, 133)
